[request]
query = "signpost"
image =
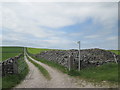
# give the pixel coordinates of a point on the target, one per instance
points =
(79, 56)
(115, 59)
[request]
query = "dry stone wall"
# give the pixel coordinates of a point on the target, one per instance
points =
(9, 66)
(89, 57)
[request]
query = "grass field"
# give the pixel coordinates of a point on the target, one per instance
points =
(12, 49)
(8, 52)
(115, 51)
(36, 50)
(8, 55)
(106, 72)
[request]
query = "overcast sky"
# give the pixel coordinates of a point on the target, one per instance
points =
(60, 25)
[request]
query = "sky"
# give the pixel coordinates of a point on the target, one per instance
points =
(60, 25)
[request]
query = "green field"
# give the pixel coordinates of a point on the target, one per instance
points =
(36, 50)
(8, 52)
(12, 49)
(115, 51)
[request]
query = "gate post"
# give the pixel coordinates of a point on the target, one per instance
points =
(70, 62)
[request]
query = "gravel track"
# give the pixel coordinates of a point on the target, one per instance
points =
(34, 79)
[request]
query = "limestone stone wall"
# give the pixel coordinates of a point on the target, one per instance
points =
(9, 66)
(89, 57)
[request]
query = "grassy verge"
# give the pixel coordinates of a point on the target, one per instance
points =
(10, 81)
(106, 72)
(42, 69)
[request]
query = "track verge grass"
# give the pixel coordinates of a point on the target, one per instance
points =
(41, 69)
